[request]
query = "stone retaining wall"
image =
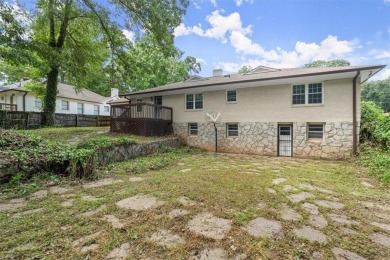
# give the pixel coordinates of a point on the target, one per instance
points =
(261, 138)
(126, 152)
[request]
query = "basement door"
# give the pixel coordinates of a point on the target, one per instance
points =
(285, 140)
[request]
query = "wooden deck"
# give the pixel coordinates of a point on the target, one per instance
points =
(141, 119)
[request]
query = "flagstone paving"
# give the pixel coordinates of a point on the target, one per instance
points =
(209, 226)
(295, 215)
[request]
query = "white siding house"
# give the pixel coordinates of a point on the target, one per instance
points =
(69, 101)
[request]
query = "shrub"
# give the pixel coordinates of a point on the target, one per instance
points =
(34, 156)
(371, 115)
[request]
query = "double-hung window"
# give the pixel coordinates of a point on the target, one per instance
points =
(139, 105)
(232, 130)
(194, 101)
(96, 110)
(231, 96)
(38, 103)
(315, 131)
(80, 108)
(307, 94)
(192, 129)
(106, 109)
(65, 105)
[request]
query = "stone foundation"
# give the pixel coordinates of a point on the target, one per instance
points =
(261, 138)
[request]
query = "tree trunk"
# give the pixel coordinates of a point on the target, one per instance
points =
(51, 94)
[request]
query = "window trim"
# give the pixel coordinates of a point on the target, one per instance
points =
(62, 105)
(98, 110)
(189, 129)
(307, 95)
(193, 102)
(138, 108)
(315, 138)
(35, 103)
(227, 130)
(231, 102)
(82, 107)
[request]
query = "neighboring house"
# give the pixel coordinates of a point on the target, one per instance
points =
(69, 101)
(306, 112)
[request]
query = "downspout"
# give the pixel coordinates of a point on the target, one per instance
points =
(354, 111)
(24, 102)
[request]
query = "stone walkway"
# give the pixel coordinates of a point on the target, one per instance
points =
(307, 213)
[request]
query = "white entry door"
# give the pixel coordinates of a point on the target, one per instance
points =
(285, 140)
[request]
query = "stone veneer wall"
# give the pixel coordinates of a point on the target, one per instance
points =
(261, 138)
(126, 152)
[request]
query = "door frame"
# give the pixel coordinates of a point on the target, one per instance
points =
(292, 138)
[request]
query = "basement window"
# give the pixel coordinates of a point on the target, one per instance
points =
(192, 129)
(315, 131)
(232, 130)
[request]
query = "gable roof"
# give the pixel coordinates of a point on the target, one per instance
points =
(263, 75)
(63, 91)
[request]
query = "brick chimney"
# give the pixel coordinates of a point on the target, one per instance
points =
(114, 92)
(217, 72)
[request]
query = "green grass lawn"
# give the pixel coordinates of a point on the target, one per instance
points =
(227, 186)
(74, 135)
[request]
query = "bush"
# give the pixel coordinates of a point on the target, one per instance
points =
(375, 125)
(377, 160)
(34, 156)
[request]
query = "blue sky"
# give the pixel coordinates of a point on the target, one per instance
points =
(228, 34)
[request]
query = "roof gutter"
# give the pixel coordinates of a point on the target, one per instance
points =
(354, 112)
(249, 80)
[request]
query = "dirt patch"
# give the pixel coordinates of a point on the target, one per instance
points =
(318, 221)
(101, 183)
(289, 188)
(347, 231)
(67, 203)
(342, 254)
(93, 212)
(381, 225)
(342, 219)
(185, 201)
(310, 234)
(278, 180)
(289, 214)
(311, 208)
(89, 198)
(166, 238)
(269, 190)
(59, 190)
(13, 204)
(310, 187)
(28, 212)
(329, 204)
(80, 243)
(114, 221)
(261, 205)
(208, 254)
(380, 239)
(209, 226)
(262, 227)
(136, 179)
(39, 194)
(178, 213)
(122, 252)
(300, 197)
(139, 202)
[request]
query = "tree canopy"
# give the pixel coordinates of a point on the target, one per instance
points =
(324, 63)
(245, 69)
(377, 92)
(82, 40)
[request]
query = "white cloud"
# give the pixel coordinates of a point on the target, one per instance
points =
(201, 61)
(386, 1)
(197, 6)
(383, 74)
(240, 2)
(129, 35)
(380, 54)
(214, 3)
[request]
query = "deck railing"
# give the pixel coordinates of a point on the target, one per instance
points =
(8, 107)
(141, 119)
